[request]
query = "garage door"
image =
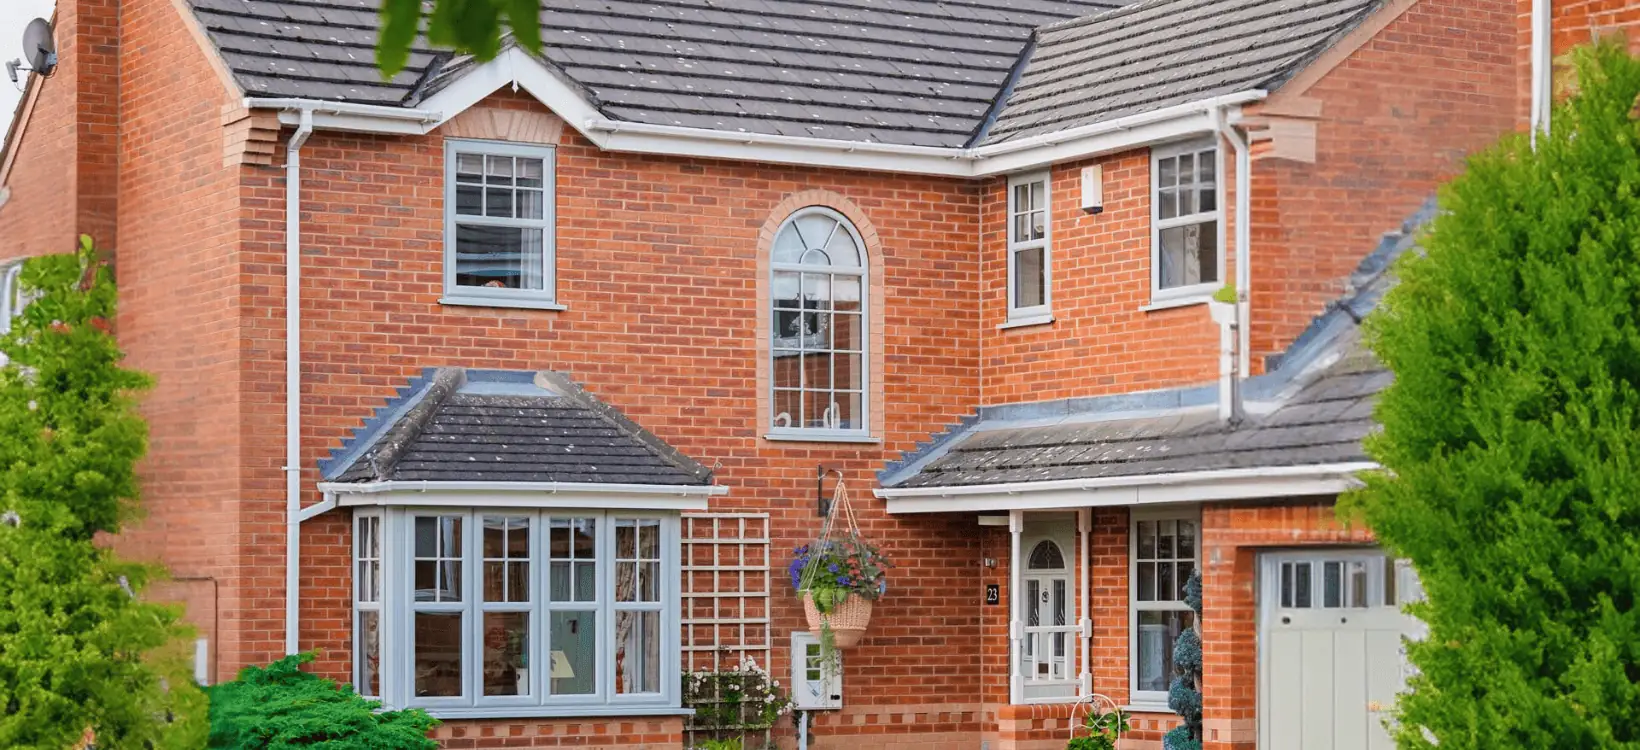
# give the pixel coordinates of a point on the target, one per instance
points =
(1330, 653)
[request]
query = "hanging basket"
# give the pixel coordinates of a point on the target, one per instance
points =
(848, 620)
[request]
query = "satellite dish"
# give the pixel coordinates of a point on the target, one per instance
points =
(39, 47)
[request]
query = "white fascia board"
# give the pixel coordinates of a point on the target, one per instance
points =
(518, 69)
(361, 118)
(781, 149)
(524, 495)
(1195, 487)
(1072, 146)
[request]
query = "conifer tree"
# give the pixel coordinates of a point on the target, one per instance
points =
(1184, 694)
(79, 649)
(1511, 436)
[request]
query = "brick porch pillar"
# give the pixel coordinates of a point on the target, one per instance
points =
(1229, 636)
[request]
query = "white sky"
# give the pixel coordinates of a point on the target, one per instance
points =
(14, 15)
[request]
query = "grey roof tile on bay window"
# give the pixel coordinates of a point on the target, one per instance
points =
(499, 426)
(1159, 53)
(912, 72)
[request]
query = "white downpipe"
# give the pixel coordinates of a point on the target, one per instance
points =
(1225, 316)
(1244, 241)
(293, 375)
(1542, 70)
(1084, 525)
(1016, 630)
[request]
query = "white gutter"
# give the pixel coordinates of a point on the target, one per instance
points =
(1244, 241)
(1168, 123)
(293, 374)
(368, 488)
(1016, 488)
(524, 495)
(366, 118)
(1190, 487)
(1542, 67)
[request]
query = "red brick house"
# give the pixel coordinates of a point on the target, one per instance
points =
(536, 361)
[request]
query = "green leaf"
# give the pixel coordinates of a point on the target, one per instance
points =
(524, 16)
(400, 21)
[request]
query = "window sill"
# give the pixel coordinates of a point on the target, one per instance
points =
(1028, 320)
(557, 712)
(1171, 303)
(1147, 708)
(522, 304)
(819, 437)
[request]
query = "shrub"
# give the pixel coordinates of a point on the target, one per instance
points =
(1511, 436)
(79, 649)
(281, 706)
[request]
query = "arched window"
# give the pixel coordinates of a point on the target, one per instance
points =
(1046, 556)
(818, 288)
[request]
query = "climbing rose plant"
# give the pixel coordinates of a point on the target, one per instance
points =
(1511, 436)
(79, 649)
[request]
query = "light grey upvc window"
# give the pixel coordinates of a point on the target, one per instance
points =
(819, 328)
(1030, 272)
(1186, 257)
(495, 613)
(367, 604)
(499, 219)
(1164, 554)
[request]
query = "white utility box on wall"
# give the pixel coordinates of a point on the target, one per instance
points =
(814, 687)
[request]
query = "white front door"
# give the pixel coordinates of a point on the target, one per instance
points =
(1330, 649)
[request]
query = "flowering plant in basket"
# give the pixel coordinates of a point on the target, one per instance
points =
(829, 572)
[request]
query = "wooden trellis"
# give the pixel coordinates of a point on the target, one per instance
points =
(726, 570)
(726, 573)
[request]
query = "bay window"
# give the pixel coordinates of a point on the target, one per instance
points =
(1164, 554)
(476, 612)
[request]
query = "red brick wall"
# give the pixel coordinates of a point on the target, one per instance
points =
(656, 265)
(1101, 341)
(179, 315)
(1397, 118)
(62, 179)
(619, 734)
(1572, 22)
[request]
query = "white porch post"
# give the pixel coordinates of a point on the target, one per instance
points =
(1016, 630)
(1084, 528)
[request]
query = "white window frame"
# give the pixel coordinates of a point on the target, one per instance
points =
(544, 298)
(12, 300)
(361, 520)
(398, 607)
(821, 434)
(1033, 314)
(1137, 697)
(1193, 292)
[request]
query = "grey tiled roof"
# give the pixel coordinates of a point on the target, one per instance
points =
(920, 72)
(460, 425)
(1322, 424)
(1159, 53)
